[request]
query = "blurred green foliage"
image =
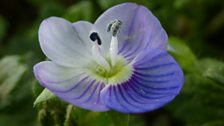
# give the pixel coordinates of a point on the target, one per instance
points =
(196, 28)
(3, 27)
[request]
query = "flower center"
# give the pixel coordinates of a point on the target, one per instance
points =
(113, 69)
(118, 73)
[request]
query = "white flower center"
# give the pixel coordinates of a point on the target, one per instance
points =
(114, 28)
(113, 69)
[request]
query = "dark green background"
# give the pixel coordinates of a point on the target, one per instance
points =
(196, 32)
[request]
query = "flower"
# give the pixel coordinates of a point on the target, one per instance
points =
(120, 62)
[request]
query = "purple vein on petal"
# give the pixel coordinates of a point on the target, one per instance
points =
(70, 89)
(122, 94)
(143, 74)
(138, 78)
(142, 82)
(131, 93)
(64, 81)
(121, 102)
(134, 51)
(150, 59)
(131, 52)
(156, 66)
(98, 95)
(129, 31)
(85, 91)
(94, 91)
(141, 92)
(155, 91)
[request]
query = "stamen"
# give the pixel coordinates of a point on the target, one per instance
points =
(94, 36)
(114, 28)
(96, 51)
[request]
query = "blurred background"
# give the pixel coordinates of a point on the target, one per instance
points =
(196, 33)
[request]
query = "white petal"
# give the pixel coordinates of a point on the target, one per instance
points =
(84, 29)
(55, 76)
(61, 43)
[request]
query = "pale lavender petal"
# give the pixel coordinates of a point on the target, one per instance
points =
(140, 29)
(156, 80)
(60, 42)
(71, 85)
(84, 30)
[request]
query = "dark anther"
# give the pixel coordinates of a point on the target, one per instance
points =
(114, 27)
(95, 37)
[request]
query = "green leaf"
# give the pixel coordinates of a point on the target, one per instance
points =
(105, 4)
(51, 109)
(75, 12)
(51, 9)
(83, 117)
(36, 88)
(10, 74)
(119, 119)
(44, 96)
(3, 27)
(182, 54)
(213, 70)
(214, 123)
(200, 98)
(178, 4)
(202, 95)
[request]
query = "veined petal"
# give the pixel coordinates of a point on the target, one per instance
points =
(84, 30)
(140, 29)
(61, 43)
(156, 80)
(142, 77)
(71, 85)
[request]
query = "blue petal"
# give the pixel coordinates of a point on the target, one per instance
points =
(71, 85)
(156, 80)
(140, 29)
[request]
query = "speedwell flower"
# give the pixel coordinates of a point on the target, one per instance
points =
(120, 62)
